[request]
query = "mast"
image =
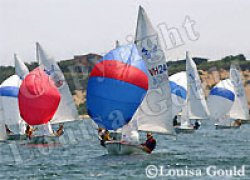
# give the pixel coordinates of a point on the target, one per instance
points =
(117, 44)
(188, 89)
(37, 53)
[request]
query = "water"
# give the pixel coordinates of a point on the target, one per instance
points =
(79, 156)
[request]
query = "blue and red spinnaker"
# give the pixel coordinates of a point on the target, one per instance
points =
(116, 87)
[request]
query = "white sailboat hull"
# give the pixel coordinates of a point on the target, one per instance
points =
(218, 126)
(184, 129)
(121, 148)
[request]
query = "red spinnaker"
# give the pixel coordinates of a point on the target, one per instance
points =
(38, 98)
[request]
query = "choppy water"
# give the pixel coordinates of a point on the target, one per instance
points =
(79, 156)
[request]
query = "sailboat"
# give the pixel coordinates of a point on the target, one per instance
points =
(154, 114)
(220, 101)
(195, 107)
(230, 94)
(8, 94)
(9, 105)
(21, 71)
(38, 100)
(67, 110)
(239, 109)
(116, 87)
(9, 102)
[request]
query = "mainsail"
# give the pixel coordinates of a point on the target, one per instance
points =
(155, 112)
(196, 103)
(20, 68)
(239, 109)
(67, 110)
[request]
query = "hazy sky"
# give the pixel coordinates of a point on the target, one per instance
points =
(72, 27)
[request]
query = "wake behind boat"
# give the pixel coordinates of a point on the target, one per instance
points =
(219, 126)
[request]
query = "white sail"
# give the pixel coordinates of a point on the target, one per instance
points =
(185, 117)
(43, 130)
(185, 114)
(9, 93)
(239, 109)
(130, 133)
(67, 110)
(224, 120)
(178, 84)
(155, 112)
(196, 103)
(20, 68)
(221, 99)
(3, 134)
